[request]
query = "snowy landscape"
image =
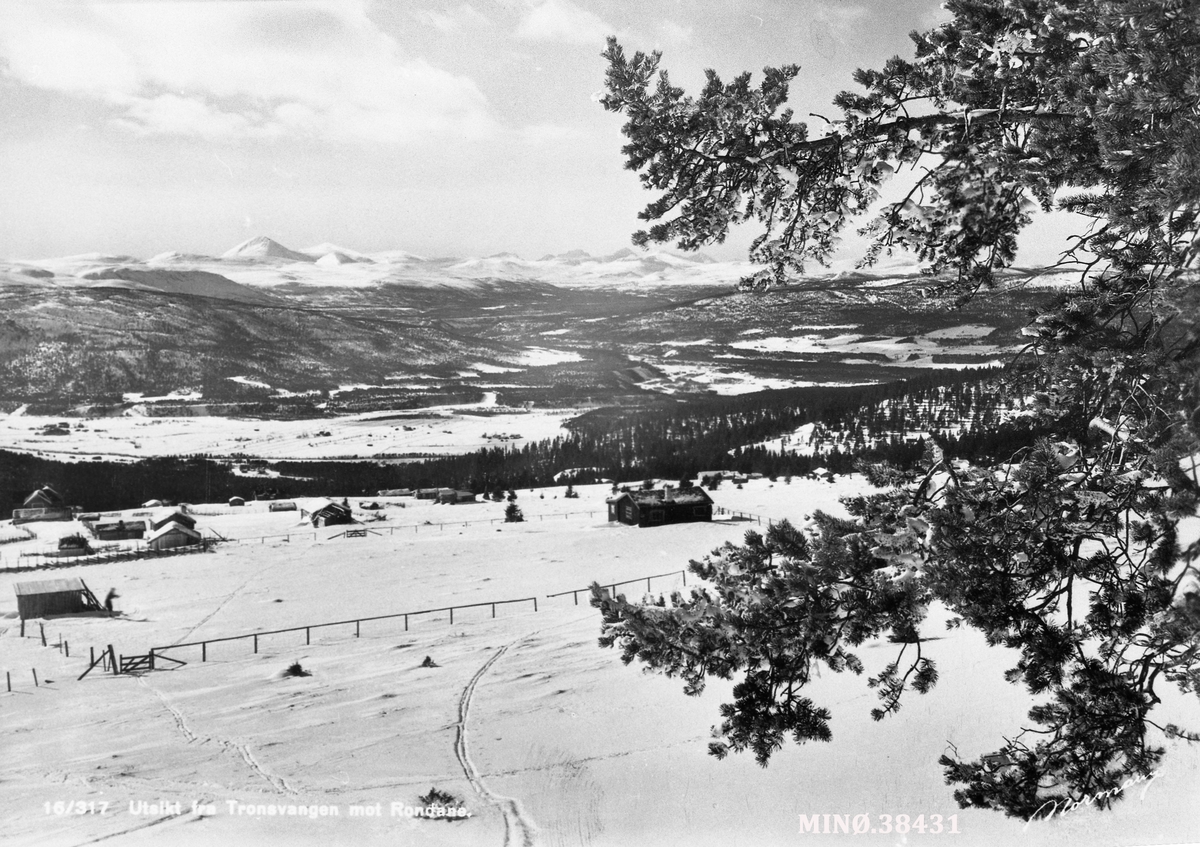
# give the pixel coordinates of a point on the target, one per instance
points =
(545, 737)
(517, 425)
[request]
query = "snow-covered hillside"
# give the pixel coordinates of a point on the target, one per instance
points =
(547, 738)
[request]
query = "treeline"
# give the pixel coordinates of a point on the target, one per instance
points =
(672, 442)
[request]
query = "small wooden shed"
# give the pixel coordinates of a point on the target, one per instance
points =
(449, 495)
(46, 597)
(281, 506)
(172, 535)
(237, 501)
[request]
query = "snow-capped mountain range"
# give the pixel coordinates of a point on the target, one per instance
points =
(264, 263)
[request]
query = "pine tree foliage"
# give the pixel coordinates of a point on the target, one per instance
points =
(1067, 551)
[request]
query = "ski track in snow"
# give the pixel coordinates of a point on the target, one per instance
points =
(277, 782)
(519, 829)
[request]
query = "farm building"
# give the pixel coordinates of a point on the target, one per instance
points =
(394, 492)
(152, 504)
(45, 504)
(450, 496)
(282, 506)
(119, 530)
(659, 506)
(237, 501)
(73, 545)
(47, 597)
(429, 493)
(173, 517)
(171, 535)
(331, 514)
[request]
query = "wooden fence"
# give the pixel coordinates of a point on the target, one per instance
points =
(156, 653)
(44, 561)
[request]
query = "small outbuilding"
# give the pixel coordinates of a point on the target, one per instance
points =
(394, 492)
(47, 597)
(171, 535)
(73, 545)
(152, 504)
(429, 493)
(660, 506)
(281, 506)
(237, 501)
(451, 496)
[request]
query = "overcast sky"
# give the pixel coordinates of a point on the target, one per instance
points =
(457, 128)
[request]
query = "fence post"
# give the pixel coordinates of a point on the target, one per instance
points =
(575, 596)
(204, 651)
(452, 614)
(356, 628)
(307, 635)
(493, 610)
(35, 679)
(256, 643)
(684, 577)
(406, 623)
(535, 604)
(42, 627)
(67, 648)
(116, 665)
(8, 679)
(92, 654)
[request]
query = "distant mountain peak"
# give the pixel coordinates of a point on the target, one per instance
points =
(261, 247)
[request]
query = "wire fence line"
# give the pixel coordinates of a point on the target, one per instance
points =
(30, 679)
(161, 652)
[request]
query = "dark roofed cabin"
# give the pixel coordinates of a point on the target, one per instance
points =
(331, 514)
(47, 597)
(449, 495)
(119, 530)
(659, 507)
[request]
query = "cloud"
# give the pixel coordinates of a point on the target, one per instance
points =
(460, 18)
(561, 20)
(240, 70)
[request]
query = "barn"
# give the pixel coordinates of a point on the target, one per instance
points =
(47, 597)
(171, 535)
(660, 506)
(45, 504)
(281, 506)
(450, 496)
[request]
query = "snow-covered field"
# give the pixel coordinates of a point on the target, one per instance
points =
(547, 738)
(440, 430)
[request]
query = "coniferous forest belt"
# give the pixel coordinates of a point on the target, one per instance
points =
(709, 433)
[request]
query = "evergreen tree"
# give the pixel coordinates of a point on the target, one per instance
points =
(513, 513)
(1064, 547)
